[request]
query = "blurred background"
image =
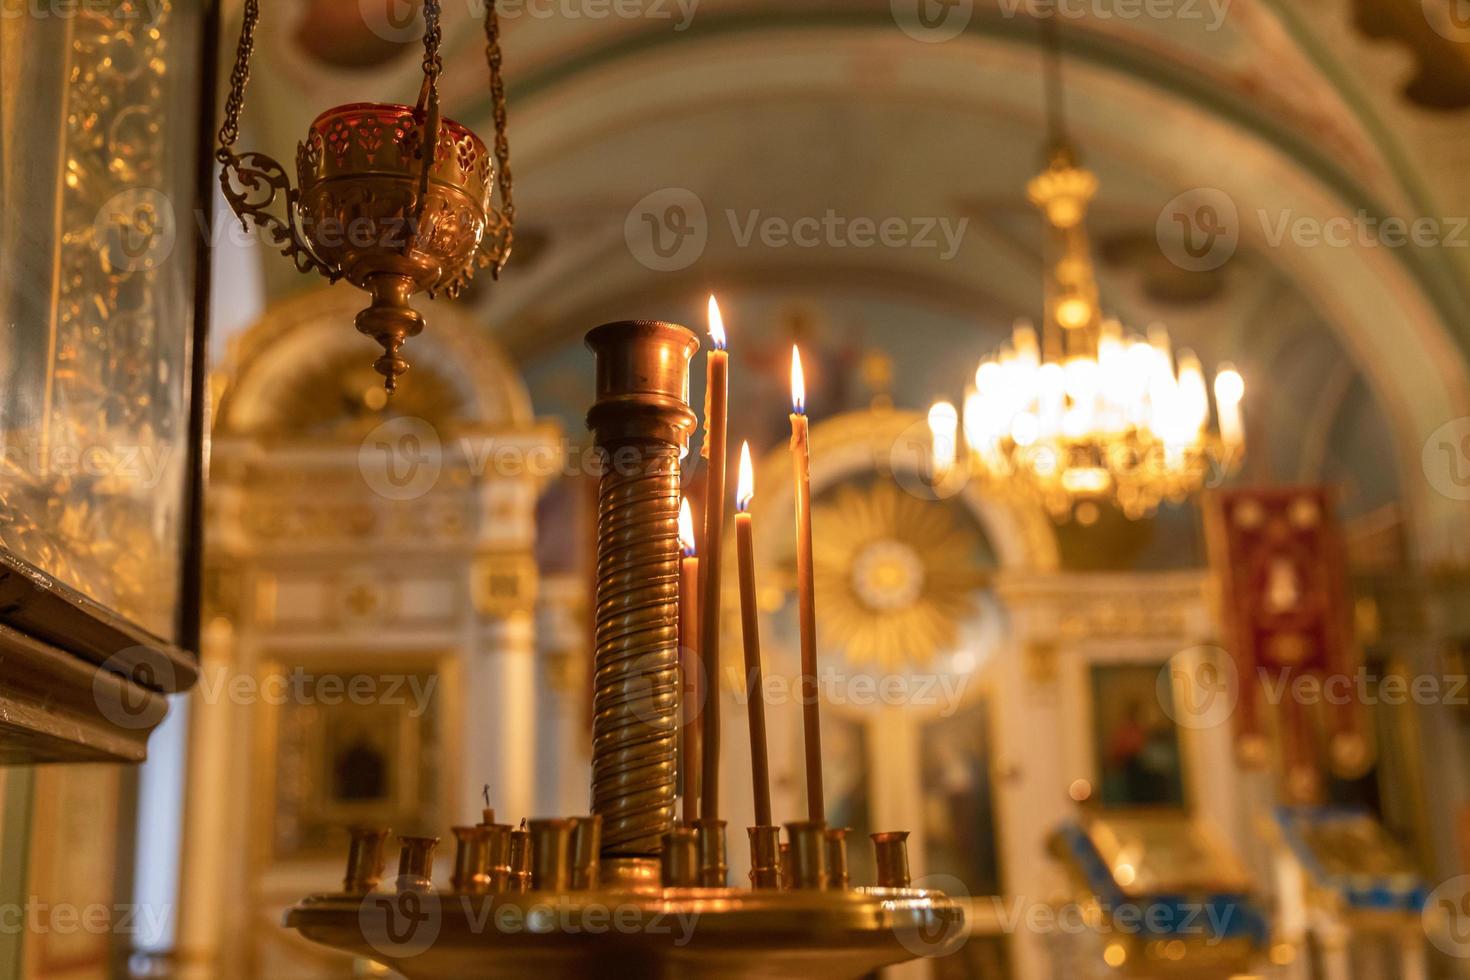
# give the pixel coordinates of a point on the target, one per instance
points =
(394, 596)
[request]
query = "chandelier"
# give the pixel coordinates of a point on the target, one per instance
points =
(1084, 413)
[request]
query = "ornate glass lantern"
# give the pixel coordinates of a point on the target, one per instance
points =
(393, 198)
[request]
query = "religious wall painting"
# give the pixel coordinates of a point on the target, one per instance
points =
(1137, 753)
(352, 746)
(959, 799)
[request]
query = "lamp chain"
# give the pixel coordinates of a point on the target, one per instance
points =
(502, 141)
(1056, 111)
(240, 75)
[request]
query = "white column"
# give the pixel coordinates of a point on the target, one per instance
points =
(500, 719)
(211, 793)
(1413, 957)
(563, 781)
(1335, 940)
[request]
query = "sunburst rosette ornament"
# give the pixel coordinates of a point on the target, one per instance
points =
(891, 570)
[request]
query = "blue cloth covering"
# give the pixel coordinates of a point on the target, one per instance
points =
(1213, 917)
(1407, 892)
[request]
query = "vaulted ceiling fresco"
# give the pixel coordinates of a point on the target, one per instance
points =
(1295, 128)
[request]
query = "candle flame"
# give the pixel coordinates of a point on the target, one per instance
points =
(716, 324)
(745, 485)
(686, 528)
(798, 383)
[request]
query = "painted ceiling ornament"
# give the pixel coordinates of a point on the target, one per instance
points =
(892, 571)
(393, 198)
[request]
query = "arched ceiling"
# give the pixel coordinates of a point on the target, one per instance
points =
(1285, 109)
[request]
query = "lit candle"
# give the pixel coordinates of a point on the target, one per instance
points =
(717, 394)
(805, 594)
(755, 692)
(691, 686)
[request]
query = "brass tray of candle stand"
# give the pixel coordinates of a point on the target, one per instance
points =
(720, 933)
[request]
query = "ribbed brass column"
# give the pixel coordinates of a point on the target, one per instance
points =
(641, 422)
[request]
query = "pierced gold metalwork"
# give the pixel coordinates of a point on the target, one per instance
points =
(393, 198)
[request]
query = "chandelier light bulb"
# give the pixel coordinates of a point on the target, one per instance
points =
(973, 414)
(943, 435)
(1074, 312)
(1229, 386)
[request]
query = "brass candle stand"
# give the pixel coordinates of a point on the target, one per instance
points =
(628, 891)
